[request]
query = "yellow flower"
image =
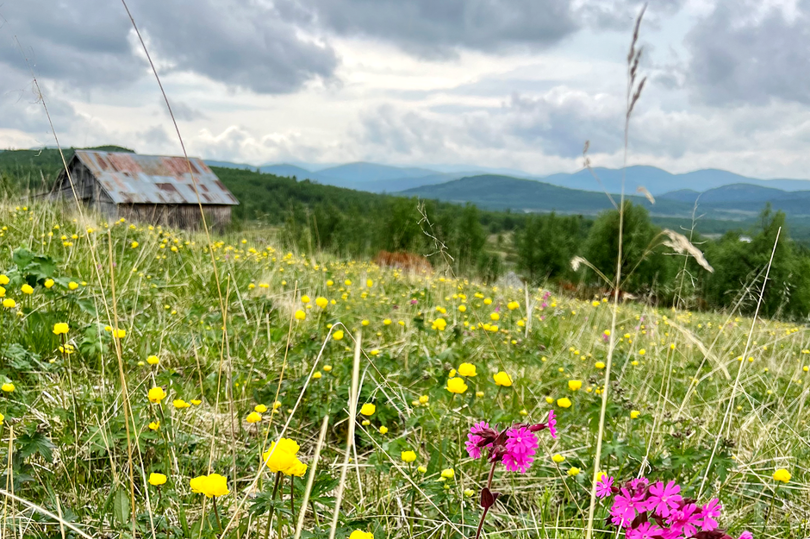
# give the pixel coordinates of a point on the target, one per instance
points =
(134, 244)
(304, 299)
(337, 335)
(157, 479)
(408, 456)
(156, 394)
(27, 289)
(297, 468)
(642, 352)
(327, 368)
(424, 399)
(494, 317)
(300, 315)
(421, 469)
(448, 473)
(600, 365)
(347, 282)
(60, 328)
(260, 408)
(564, 402)
(469, 493)
(198, 484)
(439, 324)
(216, 485)
(2, 418)
(153, 360)
(121, 333)
(321, 302)
(9, 303)
(8, 387)
(383, 430)
(573, 471)
(452, 373)
(368, 409)
(180, 404)
(283, 457)
(781, 475)
(574, 385)
(2, 292)
(365, 323)
(360, 534)
(634, 414)
(558, 458)
(456, 385)
(467, 369)
(73, 285)
(316, 375)
(154, 425)
(479, 394)
(253, 417)
(196, 402)
(502, 379)
(4, 279)
(387, 322)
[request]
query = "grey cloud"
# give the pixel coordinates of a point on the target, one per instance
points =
(182, 111)
(437, 29)
(621, 14)
(87, 43)
(738, 57)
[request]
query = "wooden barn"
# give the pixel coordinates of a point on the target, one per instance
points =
(151, 189)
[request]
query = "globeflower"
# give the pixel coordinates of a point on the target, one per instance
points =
(9, 303)
(574, 385)
(253, 417)
(368, 409)
(360, 534)
(467, 370)
(60, 328)
(213, 485)
(180, 404)
(781, 475)
(321, 302)
(156, 394)
(408, 456)
(337, 335)
(157, 479)
(8, 387)
(456, 385)
(502, 379)
(153, 360)
(564, 402)
(27, 289)
(300, 315)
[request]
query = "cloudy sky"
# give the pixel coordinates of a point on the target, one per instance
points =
(497, 83)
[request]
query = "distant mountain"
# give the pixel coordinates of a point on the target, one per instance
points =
(738, 201)
(228, 164)
(658, 181)
(496, 192)
(288, 171)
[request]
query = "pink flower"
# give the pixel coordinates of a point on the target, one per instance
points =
(625, 506)
(604, 486)
(645, 530)
(474, 438)
(521, 444)
(746, 535)
(639, 483)
(517, 462)
(552, 424)
(664, 499)
(709, 512)
(686, 520)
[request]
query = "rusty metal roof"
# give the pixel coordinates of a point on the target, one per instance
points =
(130, 178)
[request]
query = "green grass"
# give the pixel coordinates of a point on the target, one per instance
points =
(229, 339)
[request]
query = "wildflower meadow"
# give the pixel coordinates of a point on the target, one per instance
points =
(158, 383)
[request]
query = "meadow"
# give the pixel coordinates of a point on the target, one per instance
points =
(158, 383)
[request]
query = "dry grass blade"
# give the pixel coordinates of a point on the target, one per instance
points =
(311, 479)
(643, 190)
(42, 510)
(681, 244)
(353, 398)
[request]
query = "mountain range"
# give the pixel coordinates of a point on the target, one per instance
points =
(379, 178)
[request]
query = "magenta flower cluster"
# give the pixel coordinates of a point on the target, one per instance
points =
(658, 511)
(515, 446)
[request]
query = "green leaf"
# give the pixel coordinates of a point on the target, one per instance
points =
(31, 444)
(121, 506)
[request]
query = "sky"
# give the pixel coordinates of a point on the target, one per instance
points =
(518, 84)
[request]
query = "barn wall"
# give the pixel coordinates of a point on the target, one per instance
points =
(185, 216)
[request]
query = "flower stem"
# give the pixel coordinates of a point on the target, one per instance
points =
(486, 509)
(272, 507)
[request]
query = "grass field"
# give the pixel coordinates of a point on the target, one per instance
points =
(183, 358)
